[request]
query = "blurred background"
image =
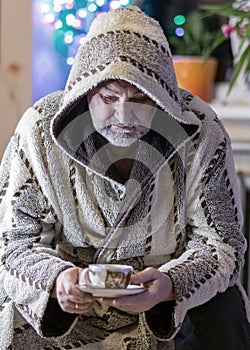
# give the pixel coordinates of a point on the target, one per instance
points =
(68, 23)
(39, 39)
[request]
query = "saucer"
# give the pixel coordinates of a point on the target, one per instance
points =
(112, 293)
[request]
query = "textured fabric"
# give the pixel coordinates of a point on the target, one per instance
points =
(62, 203)
(125, 44)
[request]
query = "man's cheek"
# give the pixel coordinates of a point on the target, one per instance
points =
(145, 114)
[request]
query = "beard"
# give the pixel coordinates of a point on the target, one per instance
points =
(121, 135)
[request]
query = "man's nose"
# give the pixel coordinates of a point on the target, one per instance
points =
(124, 112)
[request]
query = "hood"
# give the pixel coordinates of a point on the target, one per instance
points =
(128, 45)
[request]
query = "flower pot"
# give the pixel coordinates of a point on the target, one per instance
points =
(196, 75)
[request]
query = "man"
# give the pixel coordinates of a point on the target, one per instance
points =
(122, 167)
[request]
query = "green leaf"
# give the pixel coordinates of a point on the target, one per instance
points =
(225, 10)
(244, 60)
(216, 44)
(198, 38)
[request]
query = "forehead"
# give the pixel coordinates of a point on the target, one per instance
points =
(118, 86)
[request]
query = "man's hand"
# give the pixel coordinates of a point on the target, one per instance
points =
(71, 299)
(159, 288)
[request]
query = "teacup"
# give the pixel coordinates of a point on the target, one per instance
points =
(107, 275)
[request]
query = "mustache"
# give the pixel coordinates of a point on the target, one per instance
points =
(127, 126)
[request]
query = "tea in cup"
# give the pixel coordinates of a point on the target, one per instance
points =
(107, 275)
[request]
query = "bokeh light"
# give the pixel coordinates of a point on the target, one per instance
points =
(71, 19)
(115, 4)
(179, 32)
(92, 7)
(179, 20)
(100, 2)
(70, 61)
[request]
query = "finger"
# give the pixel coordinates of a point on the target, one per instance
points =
(106, 301)
(127, 306)
(82, 308)
(69, 286)
(67, 280)
(76, 308)
(73, 294)
(144, 276)
(127, 300)
(83, 298)
(71, 300)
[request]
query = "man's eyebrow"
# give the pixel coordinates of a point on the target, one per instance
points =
(108, 89)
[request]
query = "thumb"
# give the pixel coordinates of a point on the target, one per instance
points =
(147, 275)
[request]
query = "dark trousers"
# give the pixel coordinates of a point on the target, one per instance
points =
(220, 324)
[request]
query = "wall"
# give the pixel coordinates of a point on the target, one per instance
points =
(15, 65)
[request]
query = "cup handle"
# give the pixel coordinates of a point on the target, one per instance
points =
(85, 277)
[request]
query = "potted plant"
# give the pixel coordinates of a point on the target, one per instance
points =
(194, 37)
(237, 16)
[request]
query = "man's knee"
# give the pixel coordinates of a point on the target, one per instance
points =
(221, 323)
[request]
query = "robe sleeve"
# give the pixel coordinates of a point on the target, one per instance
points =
(28, 227)
(214, 245)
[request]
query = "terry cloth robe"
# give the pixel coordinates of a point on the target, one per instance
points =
(63, 203)
(57, 213)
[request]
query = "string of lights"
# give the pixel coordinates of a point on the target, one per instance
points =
(70, 21)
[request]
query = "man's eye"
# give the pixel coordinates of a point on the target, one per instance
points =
(140, 99)
(108, 99)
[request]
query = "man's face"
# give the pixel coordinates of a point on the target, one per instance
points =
(120, 112)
